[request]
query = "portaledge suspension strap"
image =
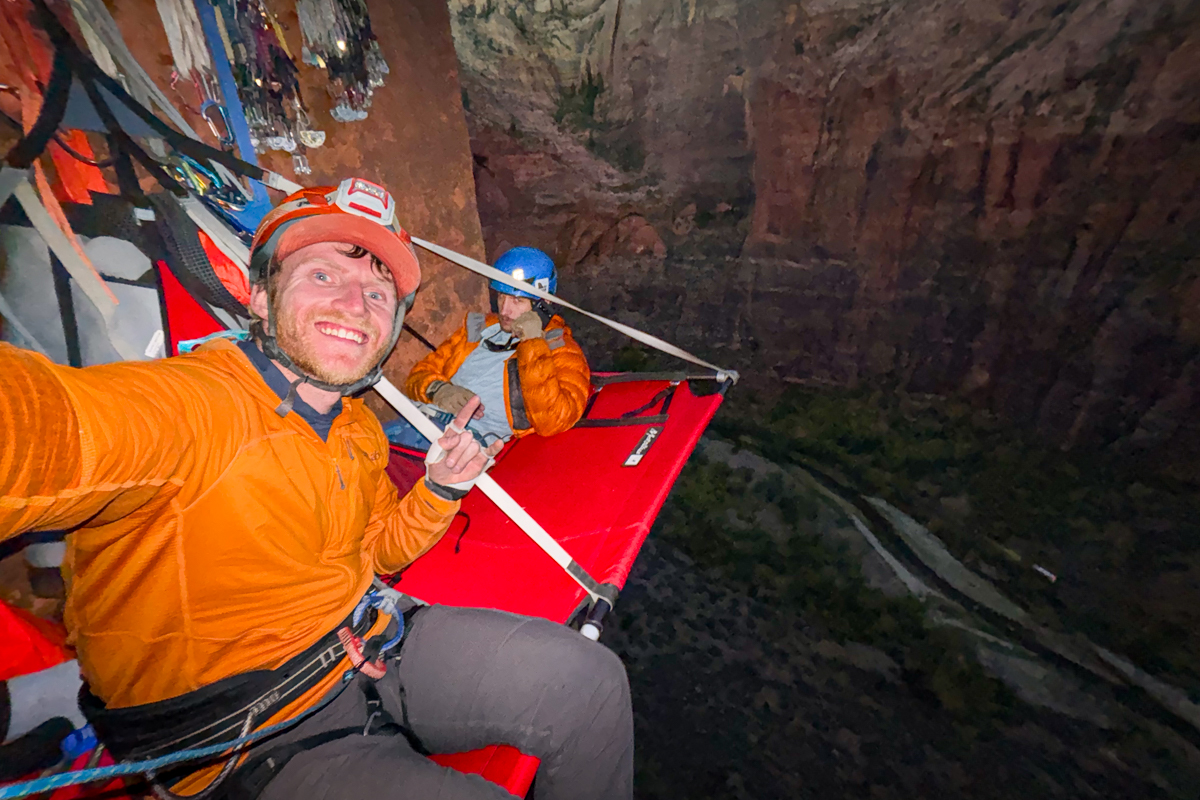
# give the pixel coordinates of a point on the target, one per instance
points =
(487, 485)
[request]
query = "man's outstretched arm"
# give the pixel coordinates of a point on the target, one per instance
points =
(80, 445)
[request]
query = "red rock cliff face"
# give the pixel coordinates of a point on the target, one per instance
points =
(1021, 217)
(997, 199)
(414, 143)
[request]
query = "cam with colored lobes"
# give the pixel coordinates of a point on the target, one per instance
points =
(449, 397)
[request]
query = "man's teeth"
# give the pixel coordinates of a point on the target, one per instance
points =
(342, 333)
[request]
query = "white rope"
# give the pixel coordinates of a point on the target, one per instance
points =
(185, 37)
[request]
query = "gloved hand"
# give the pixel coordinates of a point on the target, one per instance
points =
(528, 326)
(449, 397)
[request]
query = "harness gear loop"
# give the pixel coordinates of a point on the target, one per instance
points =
(359, 652)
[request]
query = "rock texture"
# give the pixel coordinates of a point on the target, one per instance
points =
(994, 199)
(426, 165)
(756, 703)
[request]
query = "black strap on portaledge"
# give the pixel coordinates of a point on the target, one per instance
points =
(66, 311)
(636, 416)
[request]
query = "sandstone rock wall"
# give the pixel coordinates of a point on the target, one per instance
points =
(414, 143)
(1000, 199)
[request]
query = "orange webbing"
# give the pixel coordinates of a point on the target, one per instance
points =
(76, 180)
(230, 273)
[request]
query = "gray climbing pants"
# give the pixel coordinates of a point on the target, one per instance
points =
(468, 678)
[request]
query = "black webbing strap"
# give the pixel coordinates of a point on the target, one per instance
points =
(416, 335)
(66, 311)
(587, 410)
(54, 107)
(632, 417)
(70, 59)
(127, 180)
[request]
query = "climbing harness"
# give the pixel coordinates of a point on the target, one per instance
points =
(199, 725)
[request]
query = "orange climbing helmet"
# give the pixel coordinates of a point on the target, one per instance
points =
(356, 212)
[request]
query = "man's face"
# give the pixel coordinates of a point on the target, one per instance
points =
(333, 313)
(511, 307)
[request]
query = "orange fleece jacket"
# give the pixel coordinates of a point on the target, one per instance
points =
(209, 536)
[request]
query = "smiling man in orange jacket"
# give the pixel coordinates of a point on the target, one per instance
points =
(228, 510)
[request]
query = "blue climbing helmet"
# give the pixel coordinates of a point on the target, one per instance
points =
(530, 265)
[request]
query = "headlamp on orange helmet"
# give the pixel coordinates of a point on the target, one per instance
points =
(356, 212)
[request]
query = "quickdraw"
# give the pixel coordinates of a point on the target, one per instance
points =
(338, 38)
(356, 647)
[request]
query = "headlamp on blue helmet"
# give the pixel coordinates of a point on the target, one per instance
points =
(530, 265)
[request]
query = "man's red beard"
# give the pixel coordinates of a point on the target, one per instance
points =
(295, 336)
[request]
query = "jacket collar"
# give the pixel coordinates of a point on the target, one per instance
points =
(350, 410)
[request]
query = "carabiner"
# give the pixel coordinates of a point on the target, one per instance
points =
(382, 602)
(226, 139)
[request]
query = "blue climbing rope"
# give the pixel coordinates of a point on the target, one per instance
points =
(53, 782)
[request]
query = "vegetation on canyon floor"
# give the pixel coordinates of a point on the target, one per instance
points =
(1123, 544)
(1121, 541)
(714, 516)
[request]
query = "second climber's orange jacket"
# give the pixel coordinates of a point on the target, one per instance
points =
(548, 381)
(210, 536)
